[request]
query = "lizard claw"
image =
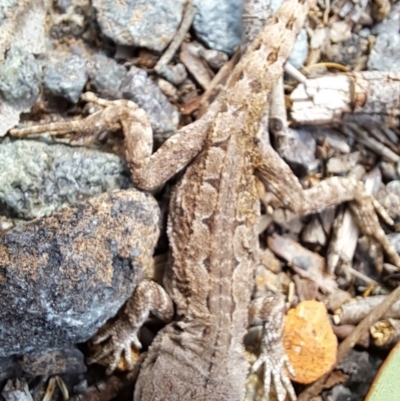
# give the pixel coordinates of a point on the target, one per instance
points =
(118, 341)
(276, 365)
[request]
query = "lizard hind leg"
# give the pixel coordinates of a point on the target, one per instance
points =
(269, 311)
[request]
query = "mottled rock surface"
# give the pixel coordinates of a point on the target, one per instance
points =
(62, 277)
(106, 76)
(61, 361)
(37, 179)
(65, 75)
(218, 23)
(140, 23)
(20, 77)
(385, 55)
(22, 26)
(163, 117)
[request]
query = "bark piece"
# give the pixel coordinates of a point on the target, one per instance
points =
(306, 263)
(327, 99)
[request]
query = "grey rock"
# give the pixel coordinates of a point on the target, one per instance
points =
(106, 76)
(391, 23)
(219, 23)
(6, 6)
(385, 55)
(22, 26)
(9, 367)
(37, 179)
(141, 23)
(62, 277)
(63, 5)
(362, 368)
(297, 148)
(348, 52)
(65, 75)
(388, 171)
(338, 393)
(163, 117)
(20, 77)
(300, 50)
(57, 362)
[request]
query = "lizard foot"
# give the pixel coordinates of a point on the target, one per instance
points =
(118, 340)
(276, 365)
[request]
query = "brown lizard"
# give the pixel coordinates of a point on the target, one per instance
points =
(213, 213)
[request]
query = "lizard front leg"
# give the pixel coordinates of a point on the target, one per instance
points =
(148, 298)
(269, 311)
(280, 180)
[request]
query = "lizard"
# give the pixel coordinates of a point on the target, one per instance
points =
(211, 228)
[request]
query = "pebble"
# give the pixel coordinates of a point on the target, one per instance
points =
(300, 50)
(141, 23)
(106, 76)
(218, 23)
(385, 55)
(163, 117)
(65, 75)
(37, 179)
(20, 77)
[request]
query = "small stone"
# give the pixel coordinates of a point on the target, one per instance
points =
(140, 23)
(37, 179)
(309, 341)
(62, 277)
(20, 77)
(388, 171)
(163, 117)
(300, 50)
(218, 23)
(348, 52)
(106, 76)
(81, 387)
(385, 55)
(391, 23)
(55, 362)
(361, 367)
(297, 148)
(65, 76)
(342, 164)
(339, 31)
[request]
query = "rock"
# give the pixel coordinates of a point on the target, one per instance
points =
(297, 148)
(65, 75)
(309, 341)
(22, 27)
(163, 117)
(140, 23)
(218, 23)
(362, 367)
(300, 50)
(61, 361)
(106, 76)
(20, 77)
(385, 55)
(62, 277)
(348, 52)
(37, 179)
(391, 23)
